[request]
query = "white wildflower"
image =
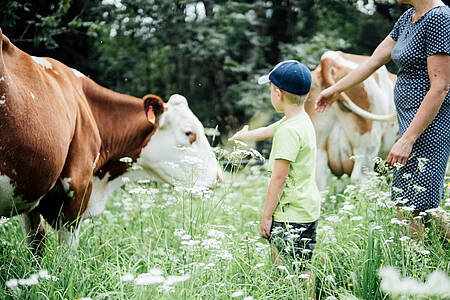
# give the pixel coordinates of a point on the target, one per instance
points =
(259, 265)
(248, 298)
(126, 160)
(436, 285)
(12, 283)
(406, 176)
(282, 268)
(377, 227)
(425, 252)
(190, 242)
(216, 233)
(408, 208)
(356, 218)
(186, 237)
(225, 255)
(304, 276)
(397, 190)
(148, 279)
(404, 238)
(237, 294)
(175, 279)
(127, 277)
(419, 189)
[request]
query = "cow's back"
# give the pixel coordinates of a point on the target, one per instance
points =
(39, 108)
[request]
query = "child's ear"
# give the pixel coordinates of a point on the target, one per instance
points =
(280, 93)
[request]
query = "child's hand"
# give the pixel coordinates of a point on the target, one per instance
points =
(240, 134)
(266, 224)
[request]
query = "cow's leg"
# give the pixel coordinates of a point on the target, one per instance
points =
(321, 169)
(69, 235)
(366, 150)
(34, 230)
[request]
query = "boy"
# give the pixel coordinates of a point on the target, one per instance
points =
(292, 205)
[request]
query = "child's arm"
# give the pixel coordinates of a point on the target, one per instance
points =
(258, 134)
(274, 192)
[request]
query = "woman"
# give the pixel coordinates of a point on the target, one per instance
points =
(420, 46)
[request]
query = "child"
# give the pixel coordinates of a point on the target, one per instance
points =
(292, 205)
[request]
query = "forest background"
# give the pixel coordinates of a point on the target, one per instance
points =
(210, 51)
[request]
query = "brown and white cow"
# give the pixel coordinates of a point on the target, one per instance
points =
(62, 138)
(361, 125)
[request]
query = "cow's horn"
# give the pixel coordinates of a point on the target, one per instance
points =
(349, 104)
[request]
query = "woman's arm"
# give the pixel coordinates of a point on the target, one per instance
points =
(439, 73)
(274, 192)
(258, 134)
(379, 57)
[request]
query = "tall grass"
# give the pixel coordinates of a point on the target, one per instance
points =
(209, 241)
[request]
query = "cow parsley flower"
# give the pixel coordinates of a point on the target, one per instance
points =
(237, 294)
(126, 160)
(12, 283)
(127, 277)
(404, 238)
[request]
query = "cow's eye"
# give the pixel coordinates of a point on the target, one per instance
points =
(188, 133)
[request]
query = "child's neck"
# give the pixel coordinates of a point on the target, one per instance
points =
(291, 111)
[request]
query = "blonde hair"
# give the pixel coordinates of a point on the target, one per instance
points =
(293, 98)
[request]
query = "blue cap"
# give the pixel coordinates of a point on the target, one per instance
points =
(290, 76)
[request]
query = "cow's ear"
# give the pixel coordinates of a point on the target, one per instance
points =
(154, 108)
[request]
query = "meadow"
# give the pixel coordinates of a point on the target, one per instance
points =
(155, 241)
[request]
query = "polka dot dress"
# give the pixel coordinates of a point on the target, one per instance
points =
(420, 183)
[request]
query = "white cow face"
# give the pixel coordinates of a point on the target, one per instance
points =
(178, 152)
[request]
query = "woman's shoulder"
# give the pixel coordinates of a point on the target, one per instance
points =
(438, 16)
(439, 12)
(406, 16)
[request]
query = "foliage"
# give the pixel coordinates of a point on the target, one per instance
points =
(159, 242)
(211, 51)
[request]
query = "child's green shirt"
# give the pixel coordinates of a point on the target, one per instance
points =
(294, 140)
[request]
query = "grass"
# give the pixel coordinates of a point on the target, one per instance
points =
(209, 240)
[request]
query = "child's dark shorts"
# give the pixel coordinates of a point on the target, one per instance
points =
(294, 240)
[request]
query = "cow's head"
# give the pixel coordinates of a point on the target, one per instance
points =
(179, 152)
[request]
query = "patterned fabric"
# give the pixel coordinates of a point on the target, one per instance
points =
(420, 183)
(294, 241)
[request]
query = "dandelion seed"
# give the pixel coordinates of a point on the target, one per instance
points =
(237, 294)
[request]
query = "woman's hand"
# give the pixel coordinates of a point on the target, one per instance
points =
(240, 134)
(400, 152)
(325, 99)
(266, 224)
